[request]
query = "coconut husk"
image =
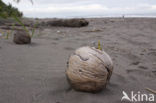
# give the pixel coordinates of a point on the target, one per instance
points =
(89, 69)
(21, 37)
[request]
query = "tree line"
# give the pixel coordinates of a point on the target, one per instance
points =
(9, 11)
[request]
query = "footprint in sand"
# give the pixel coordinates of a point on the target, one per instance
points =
(135, 63)
(56, 38)
(142, 67)
(34, 44)
(153, 53)
(54, 43)
(135, 59)
(141, 73)
(120, 78)
(134, 71)
(69, 48)
(154, 72)
(133, 78)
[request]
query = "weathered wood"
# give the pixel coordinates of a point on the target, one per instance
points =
(68, 22)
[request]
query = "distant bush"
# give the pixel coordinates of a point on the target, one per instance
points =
(9, 11)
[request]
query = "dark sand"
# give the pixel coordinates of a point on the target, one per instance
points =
(36, 73)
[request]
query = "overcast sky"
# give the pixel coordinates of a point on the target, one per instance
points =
(85, 8)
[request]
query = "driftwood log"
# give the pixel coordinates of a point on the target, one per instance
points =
(89, 69)
(22, 37)
(68, 22)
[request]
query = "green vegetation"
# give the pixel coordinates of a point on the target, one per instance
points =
(8, 11)
(25, 28)
(21, 23)
(99, 45)
(33, 30)
(7, 34)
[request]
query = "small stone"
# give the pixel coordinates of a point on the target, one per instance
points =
(58, 31)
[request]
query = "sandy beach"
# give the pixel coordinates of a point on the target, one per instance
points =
(35, 73)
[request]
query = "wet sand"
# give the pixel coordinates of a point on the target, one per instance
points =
(35, 73)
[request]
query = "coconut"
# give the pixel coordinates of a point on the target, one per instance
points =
(22, 37)
(89, 69)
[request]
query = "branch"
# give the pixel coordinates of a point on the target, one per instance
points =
(20, 0)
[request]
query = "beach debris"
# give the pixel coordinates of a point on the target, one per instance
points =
(21, 23)
(58, 31)
(94, 30)
(68, 22)
(22, 37)
(89, 69)
(150, 90)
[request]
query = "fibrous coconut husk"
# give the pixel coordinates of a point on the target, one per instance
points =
(89, 69)
(21, 37)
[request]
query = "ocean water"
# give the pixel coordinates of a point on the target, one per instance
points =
(119, 15)
(94, 16)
